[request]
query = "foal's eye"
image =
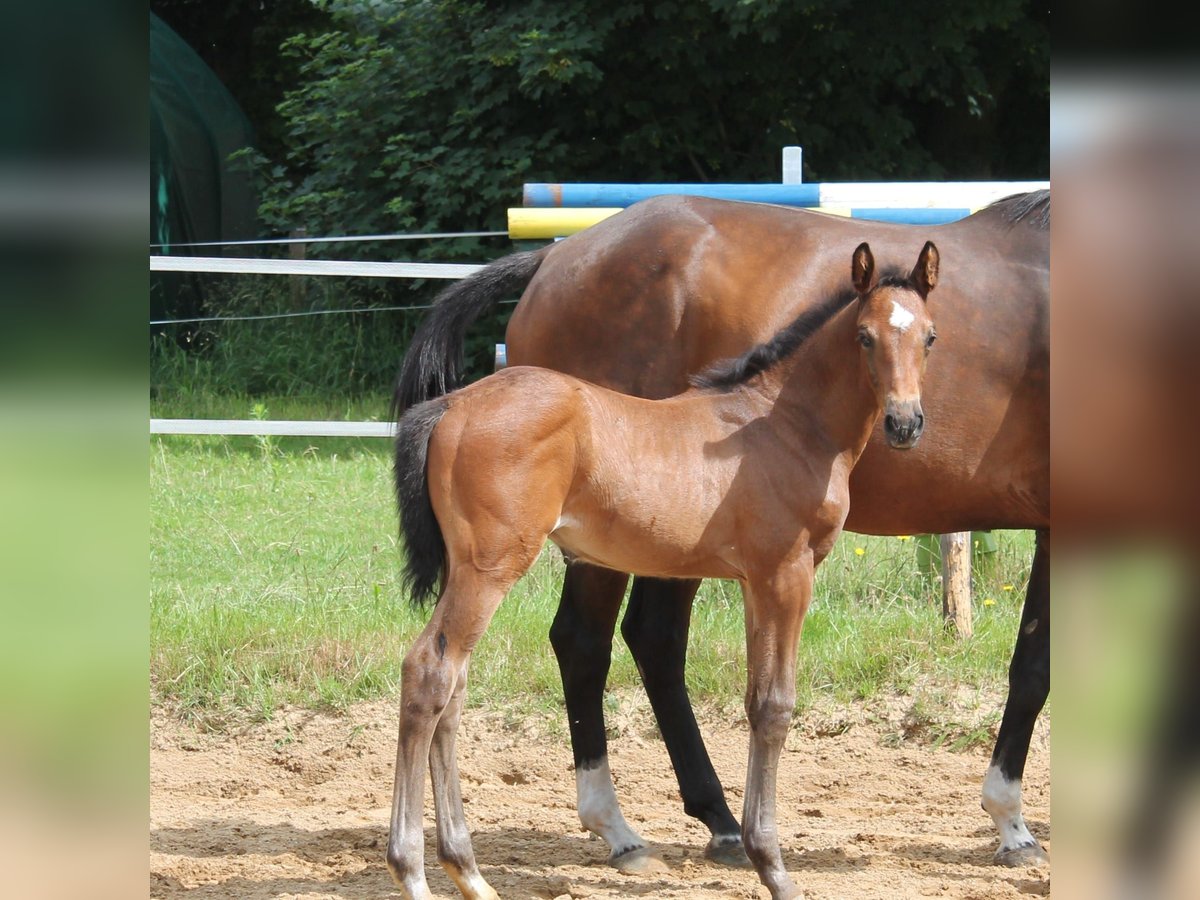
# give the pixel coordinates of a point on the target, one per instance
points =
(865, 339)
(929, 340)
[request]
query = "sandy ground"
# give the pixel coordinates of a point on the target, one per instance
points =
(299, 808)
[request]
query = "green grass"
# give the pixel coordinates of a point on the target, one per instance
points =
(275, 580)
(189, 402)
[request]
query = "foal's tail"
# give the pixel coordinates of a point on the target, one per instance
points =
(425, 548)
(433, 365)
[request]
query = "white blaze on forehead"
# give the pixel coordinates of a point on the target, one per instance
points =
(901, 317)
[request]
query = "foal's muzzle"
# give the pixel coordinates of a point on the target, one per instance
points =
(903, 424)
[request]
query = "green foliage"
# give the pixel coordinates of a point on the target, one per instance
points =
(432, 114)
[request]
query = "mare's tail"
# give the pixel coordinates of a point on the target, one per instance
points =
(433, 365)
(425, 548)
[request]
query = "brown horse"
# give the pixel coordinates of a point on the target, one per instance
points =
(672, 284)
(746, 478)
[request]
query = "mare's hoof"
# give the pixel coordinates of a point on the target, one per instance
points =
(1021, 857)
(726, 851)
(642, 861)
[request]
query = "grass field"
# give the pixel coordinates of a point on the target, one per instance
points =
(274, 580)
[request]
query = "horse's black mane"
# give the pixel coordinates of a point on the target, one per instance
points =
(729, 373)
(1033, 205)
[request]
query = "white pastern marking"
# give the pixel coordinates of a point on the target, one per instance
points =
(471, 885)
(598, 809)
(901, 317)
(1002, 800)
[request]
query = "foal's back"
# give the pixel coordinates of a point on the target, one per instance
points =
(655, 487)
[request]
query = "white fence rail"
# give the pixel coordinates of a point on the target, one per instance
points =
(278, 427)
(366, 269)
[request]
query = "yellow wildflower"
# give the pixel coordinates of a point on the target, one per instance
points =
(989, 602)
(859, 551)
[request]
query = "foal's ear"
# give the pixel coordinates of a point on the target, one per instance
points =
(925, 272)
(862, 268)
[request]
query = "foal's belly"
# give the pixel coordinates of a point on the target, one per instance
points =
(642, 551)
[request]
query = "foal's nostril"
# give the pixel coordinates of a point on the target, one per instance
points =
(920, 421)
(889, 422)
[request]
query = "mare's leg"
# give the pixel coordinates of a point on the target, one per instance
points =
(454, 849)
(656, 629)
(775, 611)
(1028, 687)
(429, 681)
(582, 639)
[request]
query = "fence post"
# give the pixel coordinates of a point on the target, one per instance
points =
(956, 582)
(791, 165)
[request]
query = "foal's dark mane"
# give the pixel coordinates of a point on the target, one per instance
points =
(729, 373)
(1033, 205)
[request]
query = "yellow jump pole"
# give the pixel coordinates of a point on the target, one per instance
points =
(532, 224)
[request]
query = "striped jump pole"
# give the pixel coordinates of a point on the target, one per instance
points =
(544, 223)
(846, 195)
(574, 196)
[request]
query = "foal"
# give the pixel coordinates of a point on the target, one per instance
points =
(746, 479)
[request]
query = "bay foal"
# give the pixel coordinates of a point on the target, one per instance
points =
(746, 478)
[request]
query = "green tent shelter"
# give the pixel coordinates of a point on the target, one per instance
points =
(196, 194)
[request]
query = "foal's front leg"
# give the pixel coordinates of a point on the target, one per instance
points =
(775, 611)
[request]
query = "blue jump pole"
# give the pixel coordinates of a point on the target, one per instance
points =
(585, 195)
(911, 216)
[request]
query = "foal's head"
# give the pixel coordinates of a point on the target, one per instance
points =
(896, 333)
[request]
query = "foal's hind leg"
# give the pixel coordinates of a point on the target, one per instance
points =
(454, 849)
(656, 629)
(429, 682)
(426, 686)
(1028, 687)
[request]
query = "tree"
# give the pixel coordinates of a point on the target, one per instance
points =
(429, 114)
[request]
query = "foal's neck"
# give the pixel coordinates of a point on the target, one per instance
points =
(824, 386)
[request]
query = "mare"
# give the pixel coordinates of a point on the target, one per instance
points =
(745, 477)
(642, 300)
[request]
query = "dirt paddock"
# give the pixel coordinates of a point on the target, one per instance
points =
(299, 807)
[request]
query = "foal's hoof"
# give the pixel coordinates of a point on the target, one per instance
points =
(640, 861)
(1020, 857)
(727, 851)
